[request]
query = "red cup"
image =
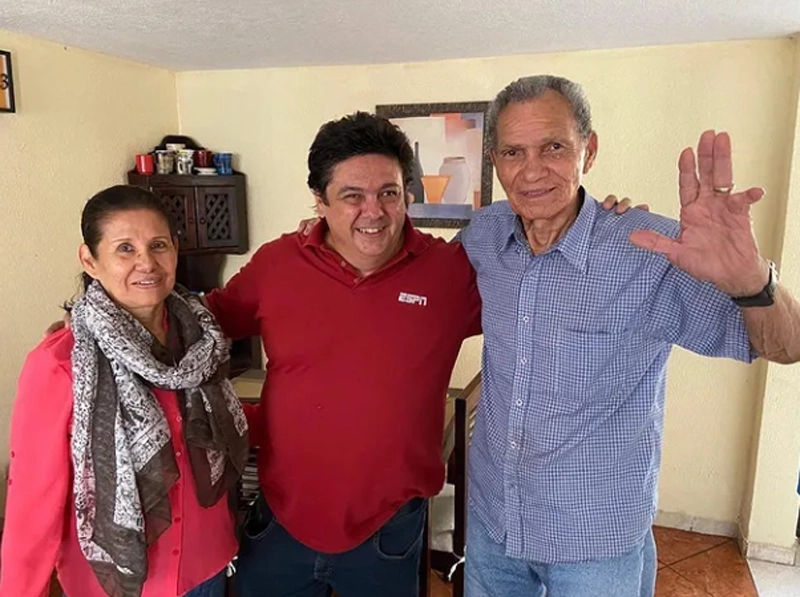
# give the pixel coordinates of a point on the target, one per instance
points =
(203, 158)
(144, 163)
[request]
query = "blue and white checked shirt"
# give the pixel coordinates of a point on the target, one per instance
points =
(567, 447)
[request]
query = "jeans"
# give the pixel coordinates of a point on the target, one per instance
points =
(213, 587)
(273, 564)
(491, 573)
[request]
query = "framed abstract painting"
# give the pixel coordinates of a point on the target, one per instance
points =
(452, 170)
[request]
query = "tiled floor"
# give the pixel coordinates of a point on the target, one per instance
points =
(694, 565)
(690, 565)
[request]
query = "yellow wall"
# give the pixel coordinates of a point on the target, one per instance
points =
(770, 515)
(80, 118)
(648, 104)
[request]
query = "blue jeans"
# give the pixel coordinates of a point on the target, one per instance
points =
(274, 564)
(491, 573)
(213, 587)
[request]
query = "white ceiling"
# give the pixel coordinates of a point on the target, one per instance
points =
(215, 34)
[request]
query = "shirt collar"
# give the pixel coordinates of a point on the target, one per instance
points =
(574, 245)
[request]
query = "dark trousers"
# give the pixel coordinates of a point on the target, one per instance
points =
(274, 564)
(213, 587)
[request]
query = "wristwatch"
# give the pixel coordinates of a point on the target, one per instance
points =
(766, 297)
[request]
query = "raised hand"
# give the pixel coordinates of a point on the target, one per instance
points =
(716, 241)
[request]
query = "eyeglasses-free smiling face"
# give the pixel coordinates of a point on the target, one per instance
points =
(135, 260)
(540, 156)
(365, 209)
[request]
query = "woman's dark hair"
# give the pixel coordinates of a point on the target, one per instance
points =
(356, 134)
(109, 202)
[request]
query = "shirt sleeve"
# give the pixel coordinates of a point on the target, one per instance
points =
(473, 299)
(698, 317)
(39, 477)
(474, 327)
(236, 305)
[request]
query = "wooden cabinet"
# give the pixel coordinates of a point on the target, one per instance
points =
(209, 212)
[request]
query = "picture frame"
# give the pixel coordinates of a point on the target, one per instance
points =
(6, 83)
(453, 171)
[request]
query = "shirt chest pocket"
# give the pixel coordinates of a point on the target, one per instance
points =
(589, 364)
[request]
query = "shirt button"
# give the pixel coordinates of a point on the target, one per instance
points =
(525, 319)
(179, 418)
(12, 454)
(175, 552)
(524, 361)
(177, 519)
(514, 445)
(519, 402)
(177, 454)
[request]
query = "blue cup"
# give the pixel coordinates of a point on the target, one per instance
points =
(223, 163)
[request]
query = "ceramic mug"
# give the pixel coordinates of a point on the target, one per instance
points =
(185, 161)
(165, 161)
(203, 158)
(223, 163)
(144, 163)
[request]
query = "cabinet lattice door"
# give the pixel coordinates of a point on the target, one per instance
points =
(217, 223)
(179, 202)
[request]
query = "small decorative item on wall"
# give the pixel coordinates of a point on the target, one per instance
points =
(452, 170)
(6, 83)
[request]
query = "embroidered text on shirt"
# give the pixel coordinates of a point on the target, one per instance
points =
(412, 299)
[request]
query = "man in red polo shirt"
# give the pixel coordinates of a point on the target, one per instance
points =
(362, 322)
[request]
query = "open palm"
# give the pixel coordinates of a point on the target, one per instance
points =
(716, 241)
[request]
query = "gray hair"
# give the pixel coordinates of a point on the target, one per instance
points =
(530, 88)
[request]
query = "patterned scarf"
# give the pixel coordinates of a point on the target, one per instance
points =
(123, 459)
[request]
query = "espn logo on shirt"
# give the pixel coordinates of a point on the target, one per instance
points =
(413, 299)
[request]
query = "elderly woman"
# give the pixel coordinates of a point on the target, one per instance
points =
(126, 436)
